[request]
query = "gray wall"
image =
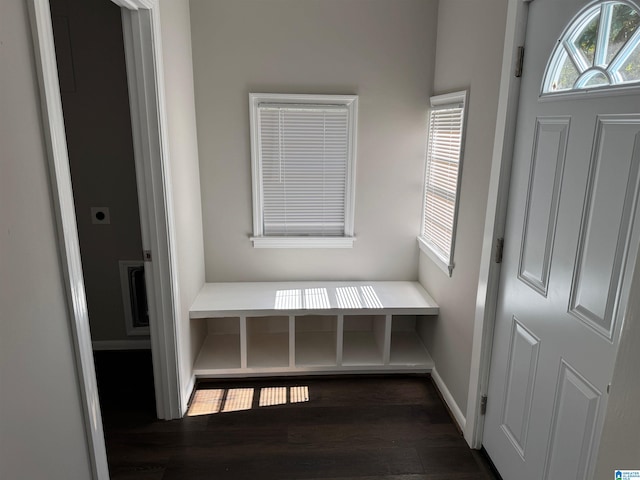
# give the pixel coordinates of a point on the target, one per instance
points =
(476, 65)
(382, 51)
(620, 442)
(98, 124)
(41, 423)
(184, 177)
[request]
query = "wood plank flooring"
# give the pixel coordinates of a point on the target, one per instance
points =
(364, 428)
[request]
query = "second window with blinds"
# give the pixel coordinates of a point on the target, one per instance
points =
(303, 168)
(445, 143)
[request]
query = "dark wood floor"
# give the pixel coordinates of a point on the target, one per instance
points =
(365, 428)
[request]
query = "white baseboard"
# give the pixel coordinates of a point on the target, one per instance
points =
(448, 398)
(144, 344)
(186, 394)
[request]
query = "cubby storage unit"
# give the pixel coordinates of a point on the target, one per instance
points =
(316, 338)
(312, 327)
(363, 340)
(406, 347)
(267, 342)
(221, 349)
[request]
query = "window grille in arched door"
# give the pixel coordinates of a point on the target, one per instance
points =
(599, 49)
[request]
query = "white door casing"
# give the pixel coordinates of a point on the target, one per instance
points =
(154, 198)
(143, 54)
(68, 244)
(571, 242)
(489, 277)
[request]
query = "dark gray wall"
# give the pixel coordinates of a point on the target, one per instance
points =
(90, 50)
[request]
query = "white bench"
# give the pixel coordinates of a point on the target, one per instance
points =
(269, 328)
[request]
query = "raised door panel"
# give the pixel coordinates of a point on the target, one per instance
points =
(521, 374)
(541, 210)
(572, 430)
(607, 220)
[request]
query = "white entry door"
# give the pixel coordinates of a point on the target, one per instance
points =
(570, 245)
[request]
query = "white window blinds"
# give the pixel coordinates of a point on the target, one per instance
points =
(303, 154)
(444, 154)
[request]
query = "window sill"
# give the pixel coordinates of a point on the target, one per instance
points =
(440, 263)
(302, 242)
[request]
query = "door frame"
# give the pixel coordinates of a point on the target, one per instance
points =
(495, 219)
(621, 409)
(144, 72)
(143, 56)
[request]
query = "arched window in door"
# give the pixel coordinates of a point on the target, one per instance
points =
(599, 49)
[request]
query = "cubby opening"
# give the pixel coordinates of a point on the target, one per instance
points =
(267, 342)
(407, 347)
(221, 348)
(316, 340)
(363, 342)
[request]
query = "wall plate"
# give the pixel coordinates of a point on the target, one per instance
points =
(100, 215)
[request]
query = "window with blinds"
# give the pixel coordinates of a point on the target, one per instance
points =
(302, 149)
(442, 178)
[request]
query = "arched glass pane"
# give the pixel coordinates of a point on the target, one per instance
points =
(567, 76)
(624, 21)
(585, 40)
(606, 33)
(630, 71)
(597, 80)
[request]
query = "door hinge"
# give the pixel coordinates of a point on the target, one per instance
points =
(483, 405)
(519, 62)
(146, 254)
(499, 249)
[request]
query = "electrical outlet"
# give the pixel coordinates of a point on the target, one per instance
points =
(100, 215)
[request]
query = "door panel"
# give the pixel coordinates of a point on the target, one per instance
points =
(571, 238)
(574, 416)
(523, 361)
(547, 166)
(604, 235)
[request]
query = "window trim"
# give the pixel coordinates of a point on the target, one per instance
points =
(258, 239)
(437, 102)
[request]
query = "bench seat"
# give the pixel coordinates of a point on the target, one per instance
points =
(293, 328)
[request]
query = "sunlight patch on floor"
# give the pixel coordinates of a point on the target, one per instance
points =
(212, 401)
(206, 402)
(238, 399)
(299, 394)
(273, 396)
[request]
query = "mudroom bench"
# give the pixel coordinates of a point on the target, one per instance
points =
(289, 328)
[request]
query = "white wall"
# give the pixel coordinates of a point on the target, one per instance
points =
(184, 176)
(476, 65)
(41, 423)
(379, 49)
(620, 441)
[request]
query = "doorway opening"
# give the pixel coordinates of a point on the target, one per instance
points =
(89, 45)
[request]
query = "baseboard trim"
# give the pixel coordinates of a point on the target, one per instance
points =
(99, 345)
(187, 393)
(448, 398)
